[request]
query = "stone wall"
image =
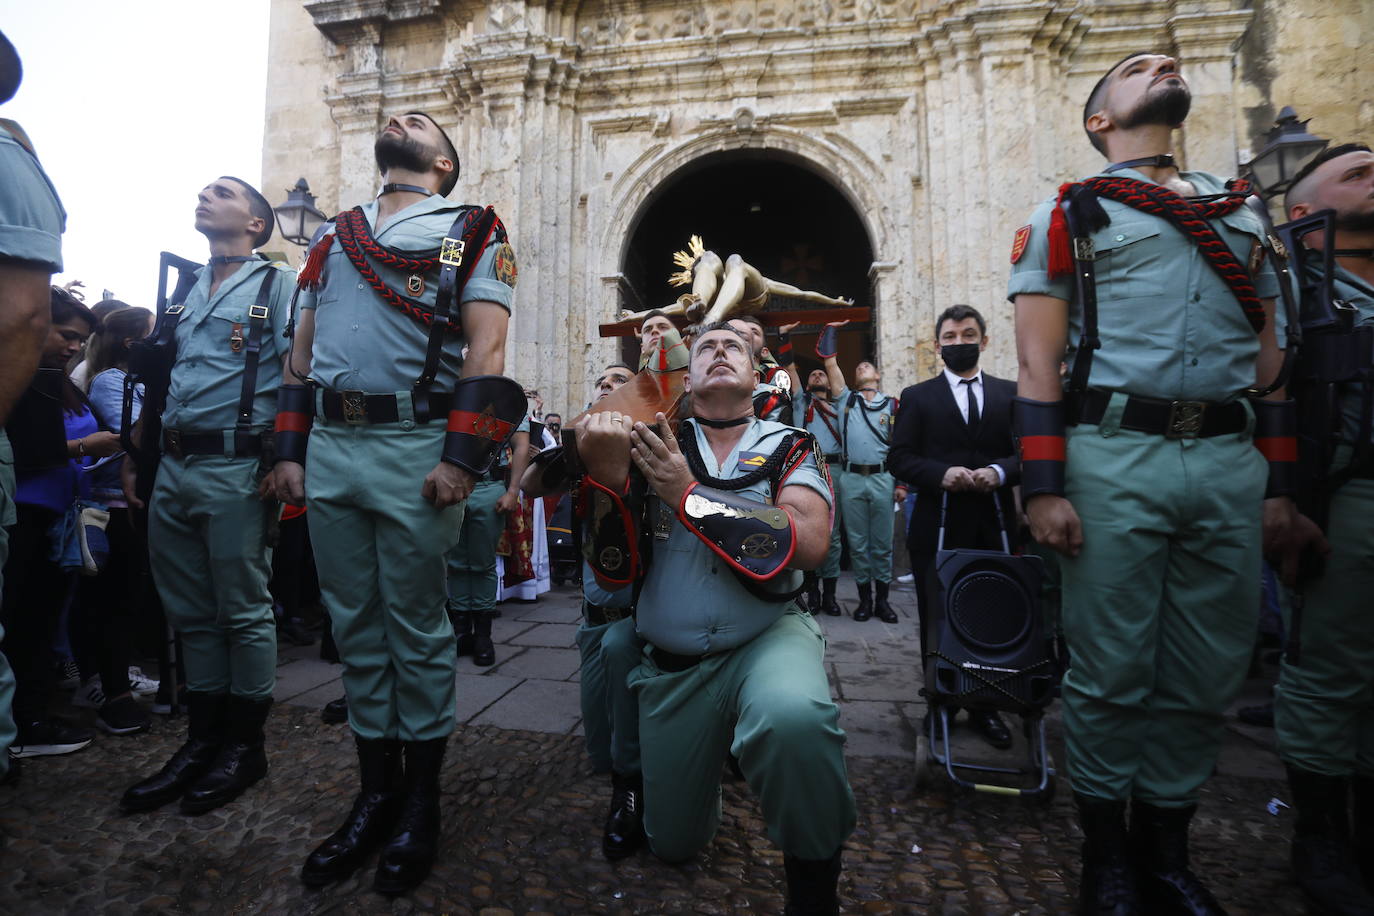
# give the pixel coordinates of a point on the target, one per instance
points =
(942, 121)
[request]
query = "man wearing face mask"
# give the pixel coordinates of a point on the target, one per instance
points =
(953, 441)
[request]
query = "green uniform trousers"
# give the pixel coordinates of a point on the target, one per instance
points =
(866, 507)
(1159, 606)
(380, 549)
(8, 733)
(830, 568)
(207, 542)
(1324, 708)
(768, 703)
(472, 562)
(610, 710)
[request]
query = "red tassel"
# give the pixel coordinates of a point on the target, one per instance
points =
(313, 270)
(1060, 256)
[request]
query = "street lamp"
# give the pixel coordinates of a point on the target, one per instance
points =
(1287, 149)
(298, 218)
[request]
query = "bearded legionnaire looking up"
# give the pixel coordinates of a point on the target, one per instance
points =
(389, 297)
(734, 665)
(1144, 472)
(867, 488)
(208, 519)
(1324, 705)
(772, 386)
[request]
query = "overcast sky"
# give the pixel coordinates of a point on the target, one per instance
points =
(133, 107)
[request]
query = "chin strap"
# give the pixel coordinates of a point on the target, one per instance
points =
(1276, 437)
(295, 416)
(1039, 430)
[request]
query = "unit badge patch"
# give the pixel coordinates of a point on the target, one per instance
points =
(506, 271)
(1018, 244)
(415, 285)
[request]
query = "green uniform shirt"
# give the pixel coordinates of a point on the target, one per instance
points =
(819, 425)
(1170, 327)
(691, 603)
(207, 377)
(31, 216)
(865, 425)
(362, 343)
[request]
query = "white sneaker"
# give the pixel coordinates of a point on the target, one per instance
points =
(90, 695)
(139, 683)
(907, 579)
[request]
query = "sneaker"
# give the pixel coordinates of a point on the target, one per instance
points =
(123, 717)
(139, 683)
(89, 695)
(68, 675)
(907, 579)
(46, 739)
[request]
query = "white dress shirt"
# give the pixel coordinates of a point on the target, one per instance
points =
(961, 394)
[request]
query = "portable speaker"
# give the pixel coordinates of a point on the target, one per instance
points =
(986, 642)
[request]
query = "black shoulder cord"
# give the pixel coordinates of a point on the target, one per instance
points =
(257, 317)
(771, 470)
(458, 256)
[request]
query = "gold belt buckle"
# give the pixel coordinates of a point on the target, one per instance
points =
(1185, 419)
(354, 407)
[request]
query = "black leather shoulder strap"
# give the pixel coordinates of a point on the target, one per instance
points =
(258, 313)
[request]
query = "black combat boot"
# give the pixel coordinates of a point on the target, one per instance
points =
(813, 886)
(1322, 860)
(813, 594)
(625, 822)
(1364, 828)
(205, 732)
(865, 608)
(881, 609)
(369, 823)
(1159, 837)
(828, 602)
(241, 760)
(462, 628)
(408, 856)
(483, 652)
(1108, 886)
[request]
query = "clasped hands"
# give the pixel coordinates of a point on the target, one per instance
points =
(609, 441)
(965, 480)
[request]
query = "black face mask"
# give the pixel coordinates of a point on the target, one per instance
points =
(959, 357)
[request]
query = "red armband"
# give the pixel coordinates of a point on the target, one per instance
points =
(1276, 437)
(1039, 430)
(295, 416)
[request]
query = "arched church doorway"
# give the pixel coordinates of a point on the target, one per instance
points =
(776, 213)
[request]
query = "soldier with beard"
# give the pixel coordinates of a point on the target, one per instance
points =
(1147, 472)
(772, 385)
(386, 480)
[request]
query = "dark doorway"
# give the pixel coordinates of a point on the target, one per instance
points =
(778, 215)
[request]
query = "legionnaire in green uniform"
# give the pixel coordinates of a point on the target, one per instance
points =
(382, 338)
(814, 410)
(1155, 499)
(733, 666)
(1324, 706)
(207, 527)
(472, 582)
(31, 224)
(772, 385)
(868, 490)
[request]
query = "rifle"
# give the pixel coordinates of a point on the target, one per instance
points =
(150, 364)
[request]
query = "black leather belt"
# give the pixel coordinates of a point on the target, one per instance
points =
(497, 474)
(833, 459)
(1170, 419)
(357, 407)
(671, 662)
(598, 616)
(179, 444)
(865, 469)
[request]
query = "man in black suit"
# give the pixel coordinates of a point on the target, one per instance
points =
(950, 438)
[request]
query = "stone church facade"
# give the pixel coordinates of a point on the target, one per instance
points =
(938, 124)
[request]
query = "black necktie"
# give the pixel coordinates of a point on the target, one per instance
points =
(972, 402)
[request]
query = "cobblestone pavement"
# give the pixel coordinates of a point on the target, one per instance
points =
(523, 813)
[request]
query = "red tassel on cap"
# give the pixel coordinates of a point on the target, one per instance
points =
(1060, 255)
(314, 263)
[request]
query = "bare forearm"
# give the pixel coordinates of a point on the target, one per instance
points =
(834, 377)
(519, 461)
(1042, 334)
(24, 315)
(811, 525)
